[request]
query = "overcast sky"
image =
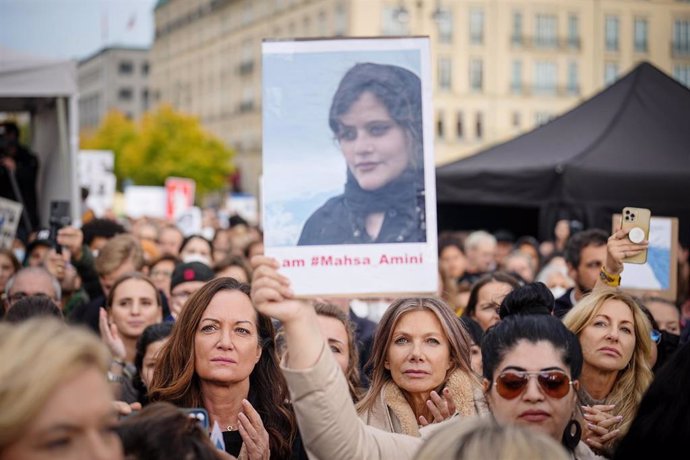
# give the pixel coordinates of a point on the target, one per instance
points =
(74, 28)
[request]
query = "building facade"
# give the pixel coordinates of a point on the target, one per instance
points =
(113, 78)
(500, 67)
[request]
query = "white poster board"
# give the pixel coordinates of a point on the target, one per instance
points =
(145, 201)
(180, 196)
(96, 174)
(10, 214)
(658, 275)
(244, 205)
(349, 198)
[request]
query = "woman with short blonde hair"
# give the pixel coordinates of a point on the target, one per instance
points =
(52, 375)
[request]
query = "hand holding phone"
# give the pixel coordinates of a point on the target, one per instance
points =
(635, 221)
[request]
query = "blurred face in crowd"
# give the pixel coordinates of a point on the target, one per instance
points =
(135, 307)
(520, 264)
(234, 271)
(180, 293)
(586, 274)
(161, 274)
(481, 256)
(335, 334)
(453, 262)
(221, 245)
(150, 360)
(169, 241)
(226, 344)
(108, 280)
(376, 148)
(28, 284)
(77, 422)
(489, 299)
(196, 249)
(666, 315)
(6, 270)
(418, 356)
(37, 256)
(608, 341)
(532, 407)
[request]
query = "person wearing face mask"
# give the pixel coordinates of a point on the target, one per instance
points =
(196, 248)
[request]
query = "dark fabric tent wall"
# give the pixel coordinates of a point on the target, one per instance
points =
(629, 145)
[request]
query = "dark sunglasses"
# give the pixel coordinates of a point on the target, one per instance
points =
(511, 384)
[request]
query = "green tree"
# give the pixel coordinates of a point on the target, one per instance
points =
(165, 143)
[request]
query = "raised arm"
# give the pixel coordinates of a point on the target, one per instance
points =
(618, 248)
(328, 422)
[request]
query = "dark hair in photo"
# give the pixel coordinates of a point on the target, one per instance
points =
(576, 243)
(31, 307)
(104, 228)
(500, 277)
(474, 330)
(151, 334)
(398, 89)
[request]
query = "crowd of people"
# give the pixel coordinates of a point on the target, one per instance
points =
(108, 343)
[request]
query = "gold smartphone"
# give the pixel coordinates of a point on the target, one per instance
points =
(637, 221)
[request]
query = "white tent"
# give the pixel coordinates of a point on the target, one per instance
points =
(47, 90)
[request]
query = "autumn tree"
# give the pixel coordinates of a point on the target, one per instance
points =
(165, 143)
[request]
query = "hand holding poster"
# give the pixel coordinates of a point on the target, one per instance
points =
(360, 218)
(10, 214)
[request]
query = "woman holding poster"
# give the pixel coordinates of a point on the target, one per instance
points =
(376, 118)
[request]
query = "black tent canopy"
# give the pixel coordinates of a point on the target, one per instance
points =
(629, 145)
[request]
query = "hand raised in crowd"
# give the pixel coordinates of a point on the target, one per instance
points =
(9, 163)
(72, 239)
(55, 263)
(441, 407)
(620, 247)
(110, 336)
(254, 435)
(271, 291)
(123, 408)
(598, 429)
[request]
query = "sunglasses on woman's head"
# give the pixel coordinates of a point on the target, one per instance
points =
(511, 384)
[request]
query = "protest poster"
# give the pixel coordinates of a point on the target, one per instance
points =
(349, 199)
(180, 196)
(10, 214)
(145, 201)
(96, 175)
(658, 276)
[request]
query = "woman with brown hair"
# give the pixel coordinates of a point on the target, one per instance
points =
(486, 297)
(420, 352)
(221, 356)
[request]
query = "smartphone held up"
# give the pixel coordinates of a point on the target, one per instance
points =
(636, 221)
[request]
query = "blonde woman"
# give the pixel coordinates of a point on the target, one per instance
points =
(483, 437)
(55, 402)
(615, 336)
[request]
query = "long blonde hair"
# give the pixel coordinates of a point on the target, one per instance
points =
(458, 342)
(37, 356)
(633, 380)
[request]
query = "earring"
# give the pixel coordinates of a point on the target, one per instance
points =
(572, 434)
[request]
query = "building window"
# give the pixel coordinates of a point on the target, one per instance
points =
(681, 72)
(641, 32)
(125, 68)
(516, 80)
(541, 118)
(444, 21)
(573, 78)
(395, 22)
(479, 125)
(125, 94)
(459, 132)
(516, 119)
(612, 32)
(476, 26)
(516, 38)
(340, 20)
(545, 77)
(145, 100)
(476, 75)
(573, 31)
(439, 125)
(444, 73)
(145, 68)
(545, 34)
(681, 37)
(610, 73)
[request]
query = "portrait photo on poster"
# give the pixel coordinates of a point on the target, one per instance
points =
(356, 142)
(348, 185)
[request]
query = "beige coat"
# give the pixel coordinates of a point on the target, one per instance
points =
(329, 425)
(391, 411)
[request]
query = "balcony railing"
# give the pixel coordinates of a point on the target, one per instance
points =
(555, 43)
